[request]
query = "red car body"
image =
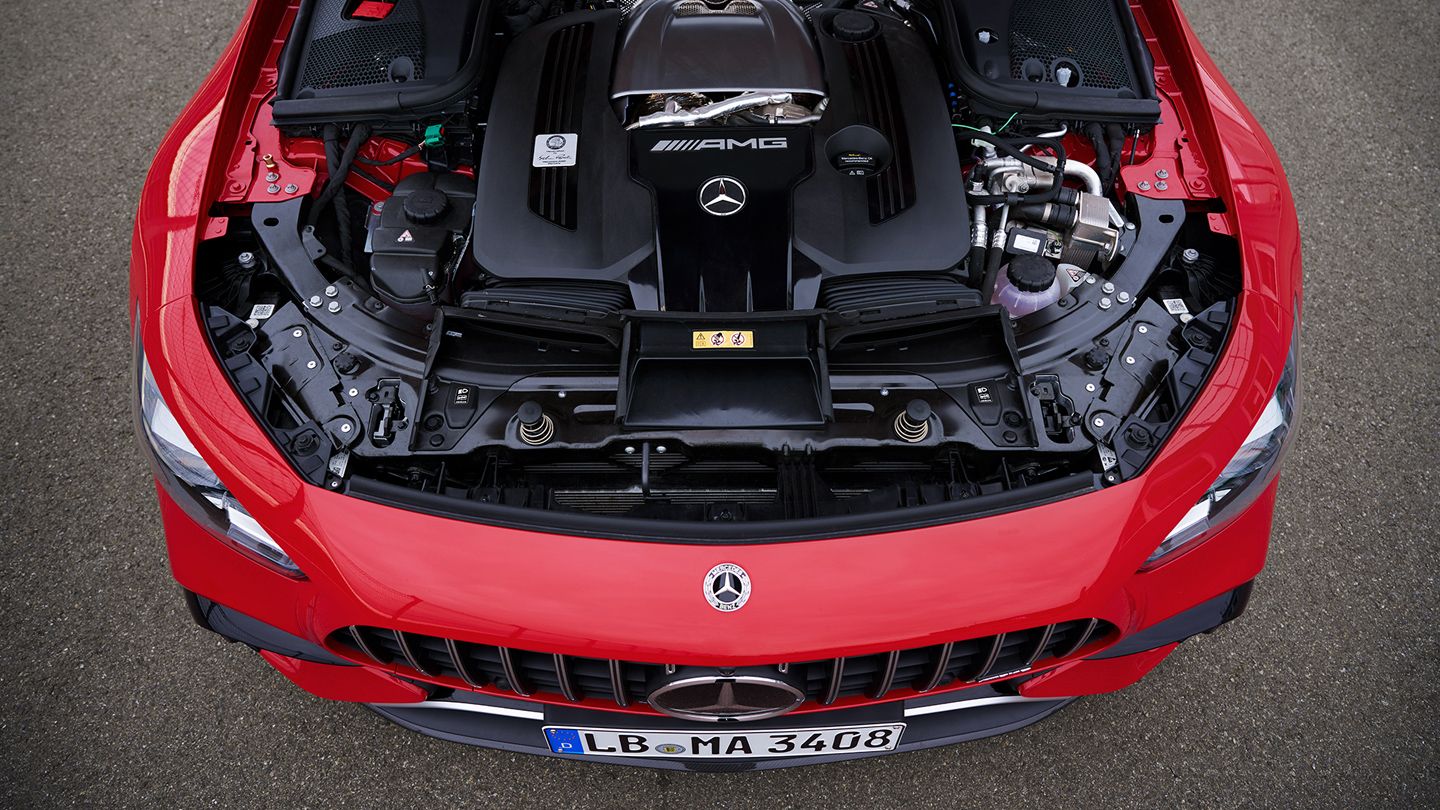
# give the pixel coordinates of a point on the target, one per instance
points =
(370, 564)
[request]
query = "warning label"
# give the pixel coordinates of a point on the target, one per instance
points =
(722, 339)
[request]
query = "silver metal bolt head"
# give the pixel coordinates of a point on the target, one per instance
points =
(1099, 422)
(298, 333)
(1124, 297)
(315, 300)
(661, 450)
(1142, 329)
(1190, 255)
(332, 291)
(311, 364)
(291, 188)
(1129, 226)
(1162, 174)
(560, 394)
(354, 392)
(884, 392)
(1161, 185)
(246, 259)
(273, 188)
(1090, 387)
(1143, 185)
(334, 306)
(346, 427)
(1104, 303)
(271, 177)
(630, 450)
(1108, 288)
(1129, 360)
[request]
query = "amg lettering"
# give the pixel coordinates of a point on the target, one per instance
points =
(721, 144)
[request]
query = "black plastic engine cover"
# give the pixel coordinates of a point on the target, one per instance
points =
(565, 192)
(722, 204)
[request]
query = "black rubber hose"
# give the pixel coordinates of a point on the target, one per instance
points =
(992, 272)
(408, 152)
(1104, 159)
(1052, 215)
(975, 266)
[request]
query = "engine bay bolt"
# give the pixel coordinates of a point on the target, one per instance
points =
(346, 427)
(1142, 329)
(246, 260)
(985, 35)
(271, 177)
(1090, 387)
(1162, 174)
(661, 450)
(1129, 360)
(354, 392)
(269, 161)
(311, 364)
(1144, 185)
(1099, 422)
(1108, 288)
(1104, 303)
(332, 291)
(913, 424)
(884, 392)
(315, 300)
(1090, 278)
(1123, 297)
(1189, 255)
(1129, 226)
(291, 188)
(298, 333)
(630, 450)
(536, 426)
(1161, 185)
(334, 306)
(273, 188)
(560, 394)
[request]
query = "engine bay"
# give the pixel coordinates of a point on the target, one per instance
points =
(609, 266)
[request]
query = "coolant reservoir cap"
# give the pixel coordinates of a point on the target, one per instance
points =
(426, 206)
(1031, 273)
(853, 26)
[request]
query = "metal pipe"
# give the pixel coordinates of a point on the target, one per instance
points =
(709, 112)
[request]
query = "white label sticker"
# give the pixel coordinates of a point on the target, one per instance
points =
(1028, 244)
(555, 149)
(260, 312)
(1176, 306)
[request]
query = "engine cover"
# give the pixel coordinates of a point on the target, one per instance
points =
(565, 192)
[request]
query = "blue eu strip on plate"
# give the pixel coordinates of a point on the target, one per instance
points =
(564, 741)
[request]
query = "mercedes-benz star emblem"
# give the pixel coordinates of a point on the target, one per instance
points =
(727, 587)
(722, 196)
(719, 696)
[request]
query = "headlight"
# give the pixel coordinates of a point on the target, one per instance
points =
(177, 455)
(1248, 473)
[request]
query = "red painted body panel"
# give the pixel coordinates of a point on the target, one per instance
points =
(372, 564)
(354, 684)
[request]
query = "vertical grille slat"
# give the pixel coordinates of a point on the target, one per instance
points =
(989, 660)
(512, 673)
(874, 676)
(562, 674)
(407, 651)
(458, 661)
(837, 673)
(1040, 646)
(617, 683)
(1081, 639)
(887, 675)
(938, 667)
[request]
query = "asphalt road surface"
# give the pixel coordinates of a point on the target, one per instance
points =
(1323, 695)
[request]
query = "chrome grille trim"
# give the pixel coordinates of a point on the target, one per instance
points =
(458, 661)
(837, 671)
(562, 674)
(512, 674)
(887, 675)
(408, 653)
(942, 661)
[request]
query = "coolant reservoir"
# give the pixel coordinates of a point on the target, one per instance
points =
(1028, 284)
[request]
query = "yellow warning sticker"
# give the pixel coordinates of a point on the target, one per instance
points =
(723, 339)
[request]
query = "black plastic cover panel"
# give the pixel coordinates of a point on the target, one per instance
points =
(579, 215)
(423, 56)
(676, 46)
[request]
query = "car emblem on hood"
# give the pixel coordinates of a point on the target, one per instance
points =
(727, 587)
(722, 196)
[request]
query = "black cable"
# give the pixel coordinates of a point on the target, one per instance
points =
(408, 152)
(1011, 148)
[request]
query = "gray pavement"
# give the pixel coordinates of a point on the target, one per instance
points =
(1324, 695)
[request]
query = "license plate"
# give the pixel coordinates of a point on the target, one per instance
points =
(795, 742)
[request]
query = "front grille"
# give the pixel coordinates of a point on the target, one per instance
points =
(526, 673)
